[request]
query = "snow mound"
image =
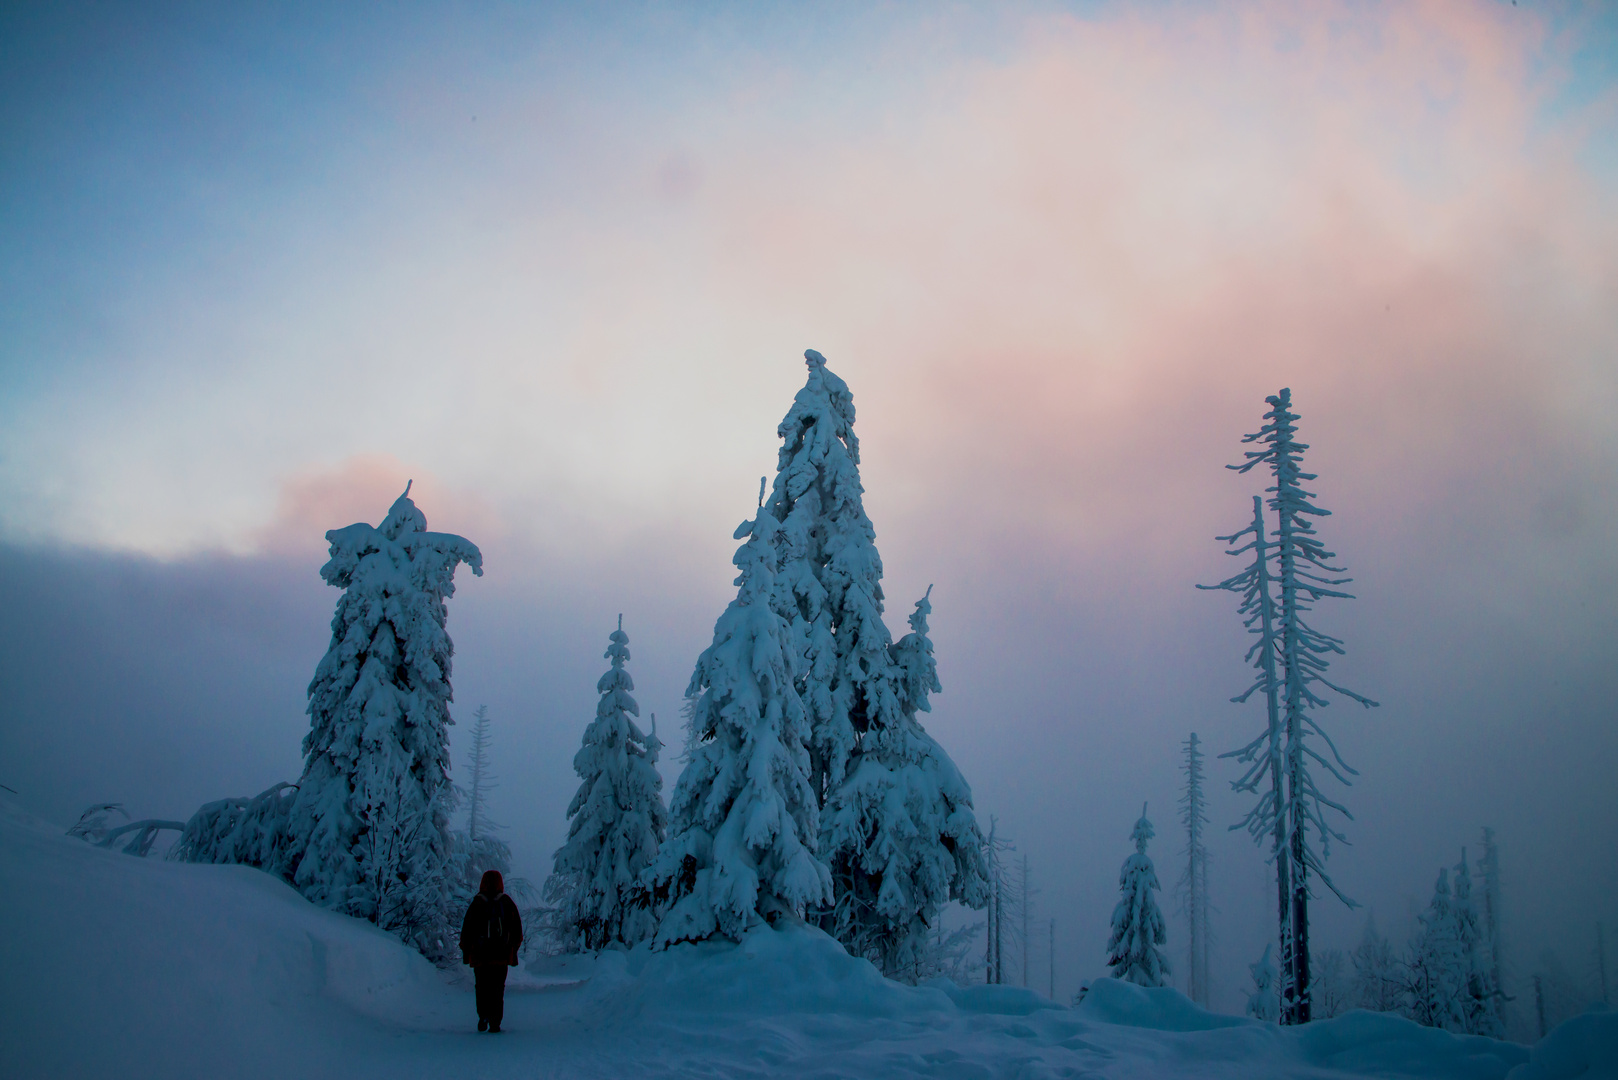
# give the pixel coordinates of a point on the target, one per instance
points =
(141, 950)
(1585, 1046)
(1381, 1044)
(1113, 1001)
(791, 969)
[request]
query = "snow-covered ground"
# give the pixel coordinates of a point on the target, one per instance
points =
(113, 966)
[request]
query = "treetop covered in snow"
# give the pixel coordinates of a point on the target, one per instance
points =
(829, 586)
(913, 656)
(1143, 831)
(426, 559)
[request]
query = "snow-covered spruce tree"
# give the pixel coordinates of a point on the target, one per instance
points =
(829, 583)
(1193, 887)
(1333, 993)
(906, 840)
(478, 847)
(1263, 1002)
(1478, 992)
(1303, 574)
(1138, 930)
(743, 819)
(1377, 978)
(861, 693)
(1437, 978)
(368, 832)
(483, 778)
(1266, 820)
(617, 820)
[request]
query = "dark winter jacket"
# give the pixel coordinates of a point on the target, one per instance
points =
(488, 940)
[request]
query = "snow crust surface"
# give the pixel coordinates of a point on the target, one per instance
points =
(112, 965)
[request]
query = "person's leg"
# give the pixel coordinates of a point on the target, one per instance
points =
(497, 996)
(484, 977)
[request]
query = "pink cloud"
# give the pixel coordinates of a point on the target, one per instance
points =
(362, 488)
(1064, 284)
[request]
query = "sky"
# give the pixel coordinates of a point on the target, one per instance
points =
(557, 265)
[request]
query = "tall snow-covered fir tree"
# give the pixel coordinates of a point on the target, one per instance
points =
(1264, 755)
(1479, 999)
(368, 832)
(1138, 930)
(744, 820)
(1437, 977)
(1193, 887)
(617, 820)
(908, 840)
(1303, 576)
(902, 838)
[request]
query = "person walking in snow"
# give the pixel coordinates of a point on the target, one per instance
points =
(491, 934)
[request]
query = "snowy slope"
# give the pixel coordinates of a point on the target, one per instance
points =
(112, 966)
